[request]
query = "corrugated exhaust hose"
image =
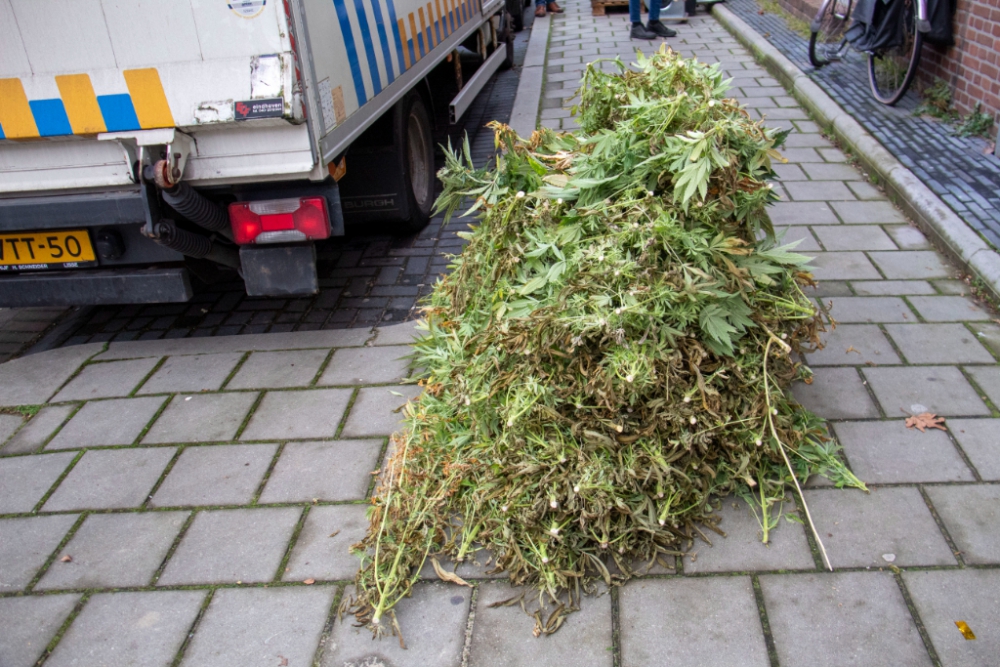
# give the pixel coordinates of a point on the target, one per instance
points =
(192, 205)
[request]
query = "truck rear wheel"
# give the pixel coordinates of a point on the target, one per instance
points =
(418, 161)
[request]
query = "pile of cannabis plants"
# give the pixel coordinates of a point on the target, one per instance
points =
(609, 354)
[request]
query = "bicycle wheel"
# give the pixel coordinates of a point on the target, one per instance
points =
(891, 70)
(826, 39)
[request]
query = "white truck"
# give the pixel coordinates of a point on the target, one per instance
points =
(142, 141)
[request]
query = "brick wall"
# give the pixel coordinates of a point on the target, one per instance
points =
(972, 66)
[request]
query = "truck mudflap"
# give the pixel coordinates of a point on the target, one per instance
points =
(100, 287)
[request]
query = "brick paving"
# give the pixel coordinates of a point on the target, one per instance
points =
(186, 535)
(964, 172)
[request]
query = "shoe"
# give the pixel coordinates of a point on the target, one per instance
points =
(554, 8)
(639, 31)
(540, 11)
(659, 29)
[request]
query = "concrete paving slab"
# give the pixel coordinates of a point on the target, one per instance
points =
(38, 429)
(988, 379)
(970, 595)
(298, 340)
(367, 365)
(201, 418)
(25, 544)
(807, 242)
(106, 380)
(711, 620)
(338, 470)
(859, 309)
(203, 372)
(863, 190)
(971, 514)
(829, 620)
(942, 390)
(501, 636)
(949, 309)
(867, 212)
(134, 628)
(742, 550)
(433, 621)
(215, 475)
(269, 370)
(843, 266)
(938, 344)
(33, 379)
(29, 624)
(322, 551)
(889, 453)
(987, 333)
(891, 287)
(854, 344)
(858, 528)
(25, 479)
(836, 393)
(978, 439)
(261, 626)
(216, 548)
(100, 423)
(801, 213)
(909, 264)
(9, 425)
(110, 478)
(853, 237)
(114, 550)
(831, 172)
(908, 237)
(374, 412)
(287, 415)
(825, 191)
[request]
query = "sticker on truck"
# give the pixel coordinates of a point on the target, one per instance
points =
(247, 9)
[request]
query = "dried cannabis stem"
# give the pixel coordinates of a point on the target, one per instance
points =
(599, 366)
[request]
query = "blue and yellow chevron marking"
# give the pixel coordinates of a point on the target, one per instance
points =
(366, 39)
(352, 51)
(78, 110)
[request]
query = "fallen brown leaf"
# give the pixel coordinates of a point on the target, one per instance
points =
(334, 533)
(309, 582)
(852, 349)
(445, 575)
(66, 559)
(925, 420)
(283, 662)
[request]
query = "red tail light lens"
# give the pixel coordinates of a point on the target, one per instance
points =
(279, 220)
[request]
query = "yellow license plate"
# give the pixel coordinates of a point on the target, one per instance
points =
(46, 250)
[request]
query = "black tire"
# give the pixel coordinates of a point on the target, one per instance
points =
(891, 71)
(505, 39)
(516, 10)
(418, 161)
(826, 39)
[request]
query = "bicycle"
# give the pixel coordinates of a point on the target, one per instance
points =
(891, 33)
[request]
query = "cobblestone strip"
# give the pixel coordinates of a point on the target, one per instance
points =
(962, 171)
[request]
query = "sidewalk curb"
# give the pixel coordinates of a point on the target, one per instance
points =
(918, 201)
(524, 114)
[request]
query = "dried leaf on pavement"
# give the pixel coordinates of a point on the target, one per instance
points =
(925, 420)
(445, 575)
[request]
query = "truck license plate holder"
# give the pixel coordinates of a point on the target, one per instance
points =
(54, 249)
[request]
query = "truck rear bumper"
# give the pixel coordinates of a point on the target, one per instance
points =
(100, 287)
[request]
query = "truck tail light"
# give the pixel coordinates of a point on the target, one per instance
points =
(279, 220)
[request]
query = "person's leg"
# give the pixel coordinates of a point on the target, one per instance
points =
(654, 9)
(633, 11)
(540, 7)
